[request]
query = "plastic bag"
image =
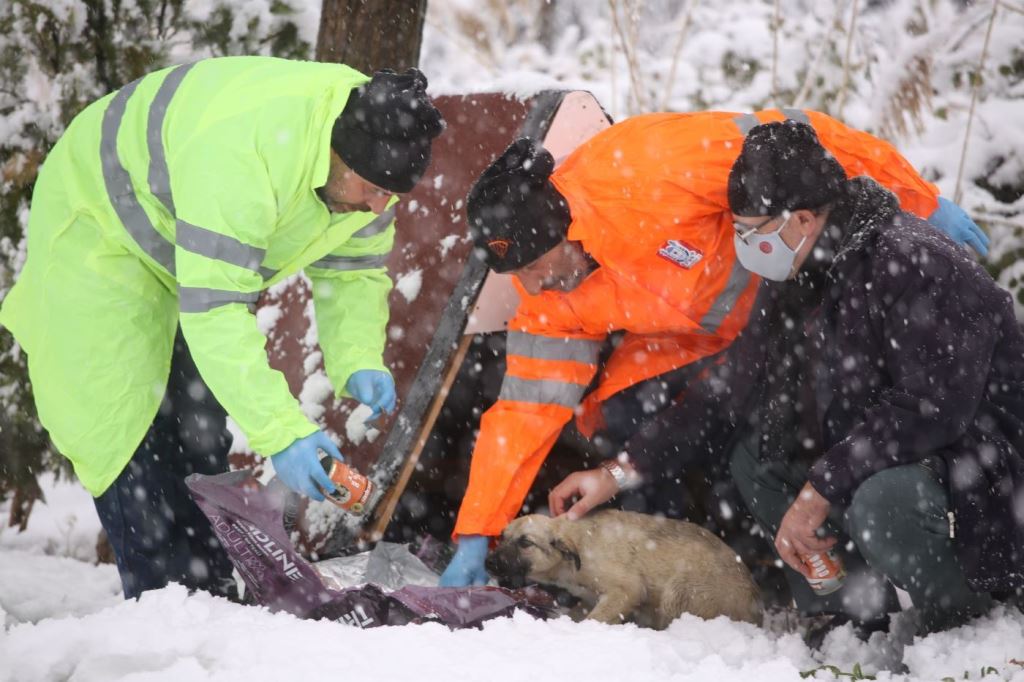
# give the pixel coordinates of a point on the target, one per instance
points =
(248, 519)
(388, 565)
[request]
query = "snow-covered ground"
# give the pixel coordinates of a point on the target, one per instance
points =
(62, 616)
(64, 620)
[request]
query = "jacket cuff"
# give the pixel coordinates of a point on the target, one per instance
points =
(279, 433)
(472, 521)
(341, 376)
(641, 461)
(831, 476)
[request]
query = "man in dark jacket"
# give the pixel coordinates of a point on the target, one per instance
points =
(886, 391)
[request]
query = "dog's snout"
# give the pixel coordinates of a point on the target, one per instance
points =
(505, 564)
(493, 565)
(497, 562)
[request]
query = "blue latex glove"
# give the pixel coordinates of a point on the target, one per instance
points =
(298, 465)
(374, 388)
(467, 566)
(952, 220)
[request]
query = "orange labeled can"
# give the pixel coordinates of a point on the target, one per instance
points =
(828, 571)
(353, 490)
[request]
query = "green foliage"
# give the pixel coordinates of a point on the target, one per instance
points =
(219, 34)
(983, 672)
(739, 71)
(1013, 69)
(855, 674)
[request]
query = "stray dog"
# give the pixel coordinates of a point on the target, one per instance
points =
(629, 566)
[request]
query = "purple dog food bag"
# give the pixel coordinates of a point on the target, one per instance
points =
(248, 519)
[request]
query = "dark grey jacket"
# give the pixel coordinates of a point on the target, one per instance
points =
(923, 356)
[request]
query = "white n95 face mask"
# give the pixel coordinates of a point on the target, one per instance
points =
(766, 254)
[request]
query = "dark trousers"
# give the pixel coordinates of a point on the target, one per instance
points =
(896, 530)
(640, 407)
(157, 532)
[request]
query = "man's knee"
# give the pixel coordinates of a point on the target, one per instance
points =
(892, 506)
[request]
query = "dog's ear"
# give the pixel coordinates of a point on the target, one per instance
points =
(568, 552)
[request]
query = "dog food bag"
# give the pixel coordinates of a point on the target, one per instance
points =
(248, 519)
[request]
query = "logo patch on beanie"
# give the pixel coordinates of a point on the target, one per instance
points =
(499, 247)
(683, 255)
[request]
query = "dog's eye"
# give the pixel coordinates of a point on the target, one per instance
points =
(524, 543)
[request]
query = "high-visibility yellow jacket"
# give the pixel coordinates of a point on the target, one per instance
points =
(649, 203)
(176, 200)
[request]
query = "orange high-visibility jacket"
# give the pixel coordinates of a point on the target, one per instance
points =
(648, 202)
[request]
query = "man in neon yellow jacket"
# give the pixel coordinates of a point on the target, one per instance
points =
(170, 204)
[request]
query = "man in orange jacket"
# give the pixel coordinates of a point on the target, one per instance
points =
(631, 233)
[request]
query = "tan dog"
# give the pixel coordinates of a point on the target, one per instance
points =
(630, 566)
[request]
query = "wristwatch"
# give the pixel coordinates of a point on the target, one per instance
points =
(622, 479)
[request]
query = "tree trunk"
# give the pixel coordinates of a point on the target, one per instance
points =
(369, 35)
(21, 506)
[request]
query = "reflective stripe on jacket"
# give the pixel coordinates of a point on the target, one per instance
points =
(176, 200)
(649, 203)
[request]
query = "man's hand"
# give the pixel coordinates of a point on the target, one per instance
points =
(298, 465)
(592, 487)
(374, 388)
(798, 532)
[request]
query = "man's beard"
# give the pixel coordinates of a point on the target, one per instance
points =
(568, 283)
(339, 206)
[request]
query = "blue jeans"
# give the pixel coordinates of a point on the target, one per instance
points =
(157, 532)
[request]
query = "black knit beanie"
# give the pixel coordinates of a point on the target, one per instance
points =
(783, 167)
(515, 213)
(386, 129)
